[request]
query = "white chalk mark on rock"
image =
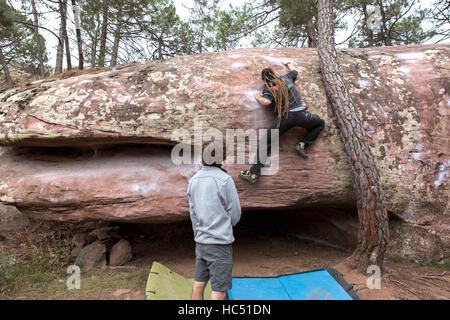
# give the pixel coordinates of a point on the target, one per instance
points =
(237, 65)
(417, 152)
(406, 71)
(442, 174)
(274, 59)
(410, 56)
(364, 83)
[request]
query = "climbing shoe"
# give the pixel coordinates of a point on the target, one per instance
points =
(247, 175)
(301, 151)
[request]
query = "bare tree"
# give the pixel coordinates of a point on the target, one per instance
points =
(76, 14)
(373, 218)
(66, 37)
(440, 17)
(117, 34)
(40, 54)
(103, 35)
(60, 48)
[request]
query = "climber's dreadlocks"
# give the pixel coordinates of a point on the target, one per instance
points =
(279, 90)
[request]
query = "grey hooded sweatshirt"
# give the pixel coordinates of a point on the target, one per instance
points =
(214, 206)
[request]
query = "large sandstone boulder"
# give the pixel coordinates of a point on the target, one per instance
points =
(96, 173)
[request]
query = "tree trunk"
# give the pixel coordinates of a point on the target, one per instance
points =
(60, 49)
(369, 32)
(76, 14)
(66, 37)
(94, 50)
(312, 35)
(103, 35)
(5, 69)
(386, 33)
(373, 219)
(200, 42)
(160, 56)
(38, 40)
(115, 50)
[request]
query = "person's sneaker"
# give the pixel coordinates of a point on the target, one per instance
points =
(301, 151)
(247, 175)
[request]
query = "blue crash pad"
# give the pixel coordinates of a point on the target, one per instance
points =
(312, 285)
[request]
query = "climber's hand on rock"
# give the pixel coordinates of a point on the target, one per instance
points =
(261, 99)
(289, 65)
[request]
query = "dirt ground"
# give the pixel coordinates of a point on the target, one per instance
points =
(256, 252)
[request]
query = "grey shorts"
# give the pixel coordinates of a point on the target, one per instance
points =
(215, 262)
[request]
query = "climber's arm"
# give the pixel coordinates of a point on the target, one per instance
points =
(289, 65)
(292, 72)
(264, 101)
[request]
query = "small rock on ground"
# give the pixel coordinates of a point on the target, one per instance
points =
(93, 255)
(121, 253)
(11, 219)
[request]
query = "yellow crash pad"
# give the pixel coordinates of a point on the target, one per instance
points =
(164, 284)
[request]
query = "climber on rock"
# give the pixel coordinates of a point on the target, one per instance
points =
(291, 112)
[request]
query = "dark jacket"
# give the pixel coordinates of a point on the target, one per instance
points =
(295, 100)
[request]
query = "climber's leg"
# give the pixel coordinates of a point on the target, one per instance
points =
(314, 125)
(255, 171)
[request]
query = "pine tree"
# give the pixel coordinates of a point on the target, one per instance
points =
(373, 218)
(17, 42)
(6, 21)
(387, 23)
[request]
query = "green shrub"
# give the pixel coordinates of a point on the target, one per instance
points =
(40, 262)
(7, 271)
(396, 258)
(445, 265)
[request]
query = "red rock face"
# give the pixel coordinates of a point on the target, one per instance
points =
(402, 94)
